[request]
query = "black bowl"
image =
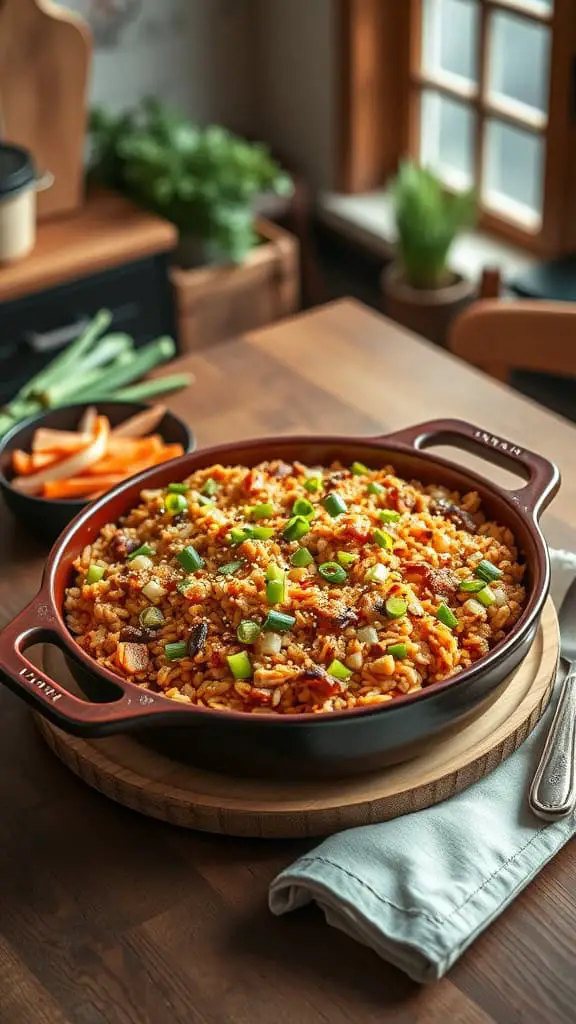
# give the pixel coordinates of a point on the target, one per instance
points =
(45, 517)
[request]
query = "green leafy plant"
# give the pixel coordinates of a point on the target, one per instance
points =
(203, 179)
(428, 219)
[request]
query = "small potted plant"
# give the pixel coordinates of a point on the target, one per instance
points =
(205, 180)
(421, 291)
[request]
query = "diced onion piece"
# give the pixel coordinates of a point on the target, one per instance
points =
(367, 635)
(376, 573)
(154, 592)
(270, 643)
(499, 596)
(473, 607)
(141, 563)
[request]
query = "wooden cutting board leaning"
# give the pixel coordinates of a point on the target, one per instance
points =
(45, 57)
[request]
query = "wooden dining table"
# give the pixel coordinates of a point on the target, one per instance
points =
(108, 917)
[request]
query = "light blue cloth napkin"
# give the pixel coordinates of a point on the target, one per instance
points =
(418, 890)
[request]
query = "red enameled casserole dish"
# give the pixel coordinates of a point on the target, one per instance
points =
(340, 742)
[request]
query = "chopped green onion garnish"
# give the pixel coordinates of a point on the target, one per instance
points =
(151, 618)
(296, 528)
(471, 586)
(202, 499)
(144, 549)
(240, 665)
(274, 572)
(398, 651)
(262, 511)
(396, 607)
(486, 596)
(184, 585)
(275, 584)
(278, 622)
(332, 572)
(178, 488)
(303, 507)
(275, 591)
(313, 484)
(301, 558)
(346, 558)
(238, 534)
(383, 539)
(175, 504)
(248, 631)
(375, 488)
(445, 615)
(388, 515)
(229, 568)
(175, 651)
(377, 573)
(359, 469)
(190, 559)
(210, 487)
(262, 532)
(95, 573)
(338, 670)
(334, 504)
(488, 572)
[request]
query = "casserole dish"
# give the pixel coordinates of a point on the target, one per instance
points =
(342, 742)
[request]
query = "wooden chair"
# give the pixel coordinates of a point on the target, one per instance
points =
(530, 344)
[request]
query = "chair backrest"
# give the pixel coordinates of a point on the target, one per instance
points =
(501, 335)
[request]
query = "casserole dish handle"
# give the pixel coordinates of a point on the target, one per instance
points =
(542, 476)
(36, 624)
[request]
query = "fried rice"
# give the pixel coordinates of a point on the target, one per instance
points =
(292, 589)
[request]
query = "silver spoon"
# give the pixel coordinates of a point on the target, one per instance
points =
(553, 790)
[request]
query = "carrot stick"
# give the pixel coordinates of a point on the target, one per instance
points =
(47, 440)
(169, 451)
(140, 424)
(87, 423)
(67, 442)
(79, 487)
(20, 462)
(73, 465)
(23, 464)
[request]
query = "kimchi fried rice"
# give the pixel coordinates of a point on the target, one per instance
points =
(291, 589)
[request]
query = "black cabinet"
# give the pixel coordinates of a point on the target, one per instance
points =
(34, 328)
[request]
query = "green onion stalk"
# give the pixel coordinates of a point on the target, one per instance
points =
(93, 369)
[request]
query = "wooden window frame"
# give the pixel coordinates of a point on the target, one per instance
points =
(380, 76)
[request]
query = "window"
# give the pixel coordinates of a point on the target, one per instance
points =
(478, 89)
(481, 84)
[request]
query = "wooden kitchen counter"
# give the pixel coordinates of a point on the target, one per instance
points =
(106, 232)
(107, 917)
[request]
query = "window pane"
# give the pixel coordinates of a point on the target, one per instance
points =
(450, 38)
(519, 52)
(447, 138)
(513, 172)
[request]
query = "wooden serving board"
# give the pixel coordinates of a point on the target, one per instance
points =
(129, 773)
(45, 54)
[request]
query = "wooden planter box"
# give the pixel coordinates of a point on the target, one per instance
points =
(216, 303)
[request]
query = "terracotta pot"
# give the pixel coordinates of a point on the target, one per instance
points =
(339, 743)
(428, 312)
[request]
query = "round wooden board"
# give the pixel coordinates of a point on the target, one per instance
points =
(129, 773)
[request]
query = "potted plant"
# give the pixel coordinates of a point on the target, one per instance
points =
(421, 291)
(205, 180)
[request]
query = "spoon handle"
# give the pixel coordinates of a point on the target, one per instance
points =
(553, 791)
